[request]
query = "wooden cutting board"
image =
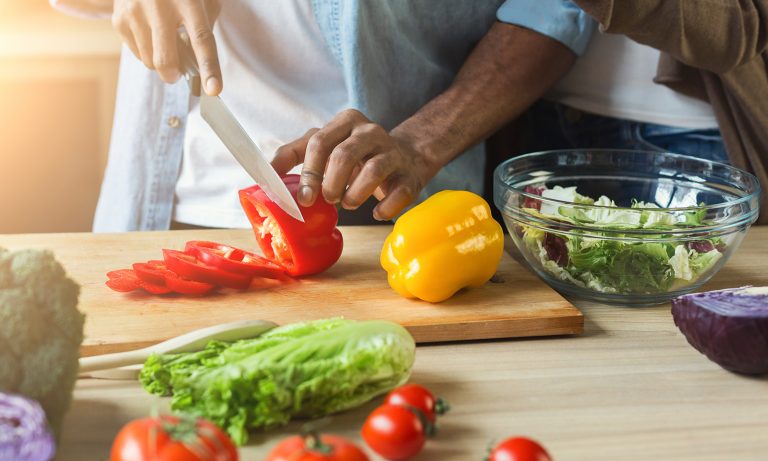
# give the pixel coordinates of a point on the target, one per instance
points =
(518, 304)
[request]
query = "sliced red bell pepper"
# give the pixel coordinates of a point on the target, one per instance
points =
(125, 280)
(233, 259)
(187, 287)
(151, 271)
(302, 248)
(157, 273)
(122, 280)
(189, 267)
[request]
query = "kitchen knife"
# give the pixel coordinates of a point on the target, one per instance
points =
(234, 137)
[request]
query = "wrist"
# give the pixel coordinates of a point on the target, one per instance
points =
(430, 150)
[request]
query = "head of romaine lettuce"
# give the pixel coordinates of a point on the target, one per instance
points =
(299, 370)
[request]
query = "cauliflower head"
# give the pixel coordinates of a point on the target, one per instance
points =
(40, 330)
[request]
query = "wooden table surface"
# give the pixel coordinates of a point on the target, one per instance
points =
(629, 388)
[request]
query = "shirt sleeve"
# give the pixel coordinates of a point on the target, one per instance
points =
(561, 20)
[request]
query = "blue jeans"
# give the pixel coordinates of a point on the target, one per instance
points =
(555, 126)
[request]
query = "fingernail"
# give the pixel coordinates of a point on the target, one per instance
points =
(305, 195)
(376, 215)
(212, 85)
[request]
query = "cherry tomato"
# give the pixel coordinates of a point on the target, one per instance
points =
(395, 432)
(418, 397)
(125, 280)
(302, 248)
(233, 259)
(189, 267)
(519, 449)
(168, 438)
(309, 448)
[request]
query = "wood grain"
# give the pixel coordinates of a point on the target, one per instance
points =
(630, 388)
(356, 287)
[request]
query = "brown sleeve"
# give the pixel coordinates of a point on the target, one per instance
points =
(714, 35)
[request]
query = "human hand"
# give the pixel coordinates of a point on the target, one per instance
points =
(150, 29)
(352, 158)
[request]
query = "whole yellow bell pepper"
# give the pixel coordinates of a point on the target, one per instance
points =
(448, 242)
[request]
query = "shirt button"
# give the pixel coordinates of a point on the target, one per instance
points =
(174, 122)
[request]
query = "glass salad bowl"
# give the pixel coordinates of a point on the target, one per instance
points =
(624, 227)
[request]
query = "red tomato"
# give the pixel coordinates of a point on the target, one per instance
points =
(302, 248)
(395, 432)
(418, 397)
(232, 259)
(189, 267)
(329, 448)
(519, 449)
(125, 280)
(167, 438)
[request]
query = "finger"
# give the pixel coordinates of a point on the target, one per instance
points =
(120, 24)
(166, 56)
(373, 174)
(319, 148)
(365, 140)
(343, 159)
(142, 34)
(200, 32)
(292, 154)
(401, 196)
(212, 9)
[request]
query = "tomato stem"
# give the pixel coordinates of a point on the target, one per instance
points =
(186, 431)
(430, 429)
(442, 406)
(313, 443)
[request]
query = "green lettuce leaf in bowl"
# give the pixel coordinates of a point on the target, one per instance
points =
(602, 259)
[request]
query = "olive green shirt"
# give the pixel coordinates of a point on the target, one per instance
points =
(716, 50)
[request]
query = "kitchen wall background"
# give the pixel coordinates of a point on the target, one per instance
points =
(57, 87)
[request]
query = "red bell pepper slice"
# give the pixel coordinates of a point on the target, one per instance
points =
(302, 248)
(151, 271)
(125, 280)
(187, 287)
(233, 259)
(189, 267)
(156, 272)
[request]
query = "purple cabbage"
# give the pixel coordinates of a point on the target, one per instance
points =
(531, 202)
(701, 246)
(24, 433)
(729, 326)
(556, 249)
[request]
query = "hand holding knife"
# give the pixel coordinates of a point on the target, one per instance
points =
(234, 137)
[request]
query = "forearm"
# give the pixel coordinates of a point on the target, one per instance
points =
(509, 69)
(715, 36)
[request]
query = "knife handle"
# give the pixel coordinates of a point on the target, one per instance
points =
(188, 62)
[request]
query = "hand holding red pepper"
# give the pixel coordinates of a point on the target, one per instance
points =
(353, 151)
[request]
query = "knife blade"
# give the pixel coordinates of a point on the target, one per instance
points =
(235, 138)
(247, 153)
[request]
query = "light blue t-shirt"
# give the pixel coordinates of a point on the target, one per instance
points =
(395, 55)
